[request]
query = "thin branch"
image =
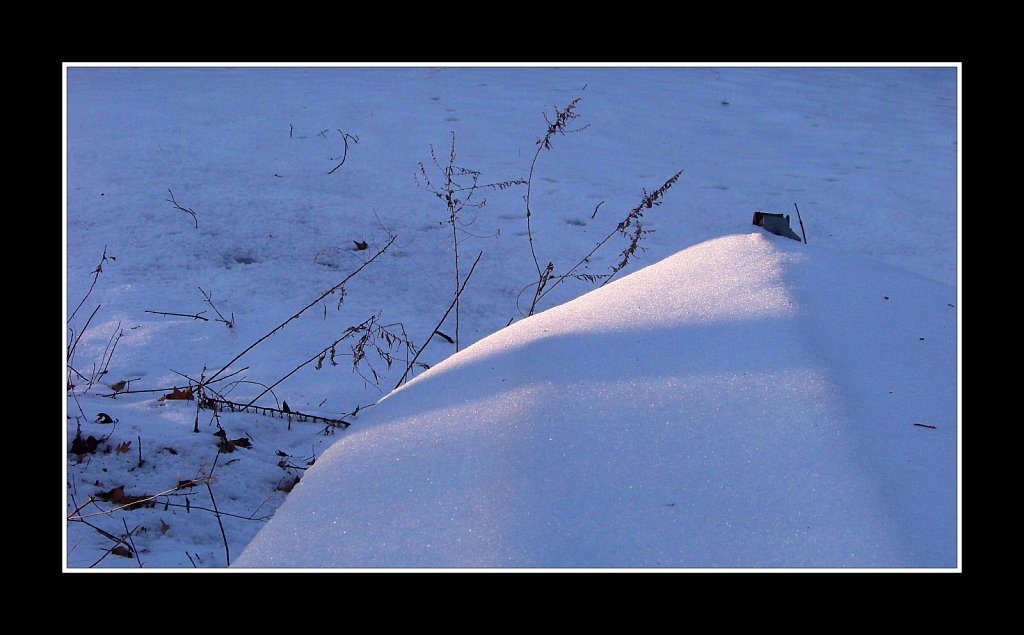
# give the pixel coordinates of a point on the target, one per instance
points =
(134, 503)
(82, 412)
(304, 309)
(95, 276)
(112, 347)
(558, 126)
(632, 219)
(443, 318)
(192, 506)
(316, 356)
(216, 512)
(106, 534)
(131, 542)
(187, 210)
(801, 219)
(74, 345)
(209, 300)
(344, 137)
(194, 316)
(105, 554)
(169, 388)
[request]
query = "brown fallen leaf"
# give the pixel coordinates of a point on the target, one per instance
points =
(286, 484)
(122, 551)
(178, 394)
(115, 495)
(242, 442)
(125, 501)
(124, 447)
(84, 446)
(135, 502)
(164, 526)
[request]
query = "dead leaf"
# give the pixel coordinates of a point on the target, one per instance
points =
(184, 484)
(242, 442)
(118, 497)
(164, 526)
(115, 495)
(124, 447)
(361, 245)
(286, 484)
(122, 551)
(182, 395)
(82, 446)
(135, 502)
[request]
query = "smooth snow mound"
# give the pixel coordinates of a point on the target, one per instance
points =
(747, 402)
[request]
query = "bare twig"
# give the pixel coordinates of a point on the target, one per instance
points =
(105, 554)
(105, 359)
(632, 219)
(77, 516)
(801, 219)
(131, 542)
(186, 551)
(169, 388)
(451, 306)
(187, 210)
(280, 326)
(80, 507)
(344, 137)
(209, 300)
(320, 356)
(95, 276)
(194, 316)
(558, 126)
(216, 512)
(78, 338)
(192, 506)
(457, 196)
(80, 411)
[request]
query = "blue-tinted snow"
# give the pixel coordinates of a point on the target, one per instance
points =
(748, 402)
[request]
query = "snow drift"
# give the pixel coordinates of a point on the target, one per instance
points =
(749, 401)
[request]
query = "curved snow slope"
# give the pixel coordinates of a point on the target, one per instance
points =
(749, 401)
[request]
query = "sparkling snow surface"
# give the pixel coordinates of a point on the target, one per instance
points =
(749, 401)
